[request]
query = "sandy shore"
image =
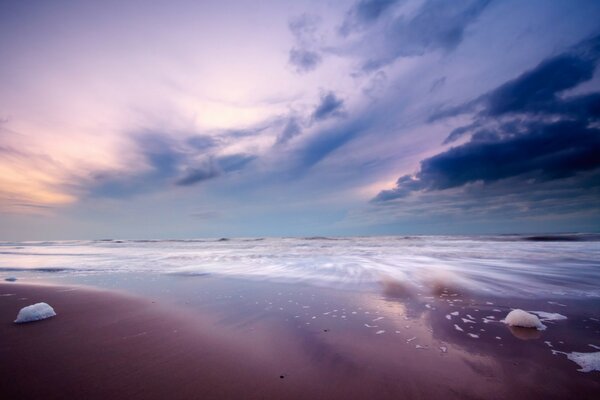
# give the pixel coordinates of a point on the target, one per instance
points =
(104, 344)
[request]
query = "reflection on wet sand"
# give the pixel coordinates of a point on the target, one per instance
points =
(525, 333)
(394, 343)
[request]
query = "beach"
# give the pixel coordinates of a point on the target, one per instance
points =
(300, 200)
(206, 337)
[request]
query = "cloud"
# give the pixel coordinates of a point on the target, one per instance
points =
(373, 31)
(292, 128)
(330, 106)
(202, 142)
(549, 206)
(235, 162)
(30, 178)
(526, 132)
(437, 25)
(200, 173)
(304, 55)
(165, 161)
(328, 140)
(304, 60)
(537, 92)
(545, 152)
(364, 13)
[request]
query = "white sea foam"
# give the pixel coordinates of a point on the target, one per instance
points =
(35, 312)
(547, 316)
(502, 265)
(523, 319)
(587, 361)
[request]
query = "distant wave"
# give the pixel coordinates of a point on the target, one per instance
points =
(31, 253)
(40, 269)
(321, 238)
(588, 237)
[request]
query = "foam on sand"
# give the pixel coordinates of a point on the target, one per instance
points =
(35, 312)
(546, 316)
(587, 361)
(523, 319)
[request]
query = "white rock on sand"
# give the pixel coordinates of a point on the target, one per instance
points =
(524, 319)
(35, 312)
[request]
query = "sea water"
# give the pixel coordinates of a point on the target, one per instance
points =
(509, 265)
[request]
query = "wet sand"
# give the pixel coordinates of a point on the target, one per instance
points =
(297, 344)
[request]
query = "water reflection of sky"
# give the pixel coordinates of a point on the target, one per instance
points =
(384, 335)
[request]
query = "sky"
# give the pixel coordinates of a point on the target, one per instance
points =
(184, 119)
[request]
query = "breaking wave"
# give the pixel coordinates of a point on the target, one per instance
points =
(567, 265)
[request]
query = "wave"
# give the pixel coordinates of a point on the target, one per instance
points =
(502, 264)
(39, 269)
(564, 238)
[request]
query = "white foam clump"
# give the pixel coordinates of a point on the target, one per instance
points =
(546, 316)
(524, 319)
(35, 312)
(587, 361)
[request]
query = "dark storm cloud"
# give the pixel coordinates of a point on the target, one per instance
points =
(525, 130)
(545, 152)
(539, 91)
(536, 90)
(329, 106)
(437, 25)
